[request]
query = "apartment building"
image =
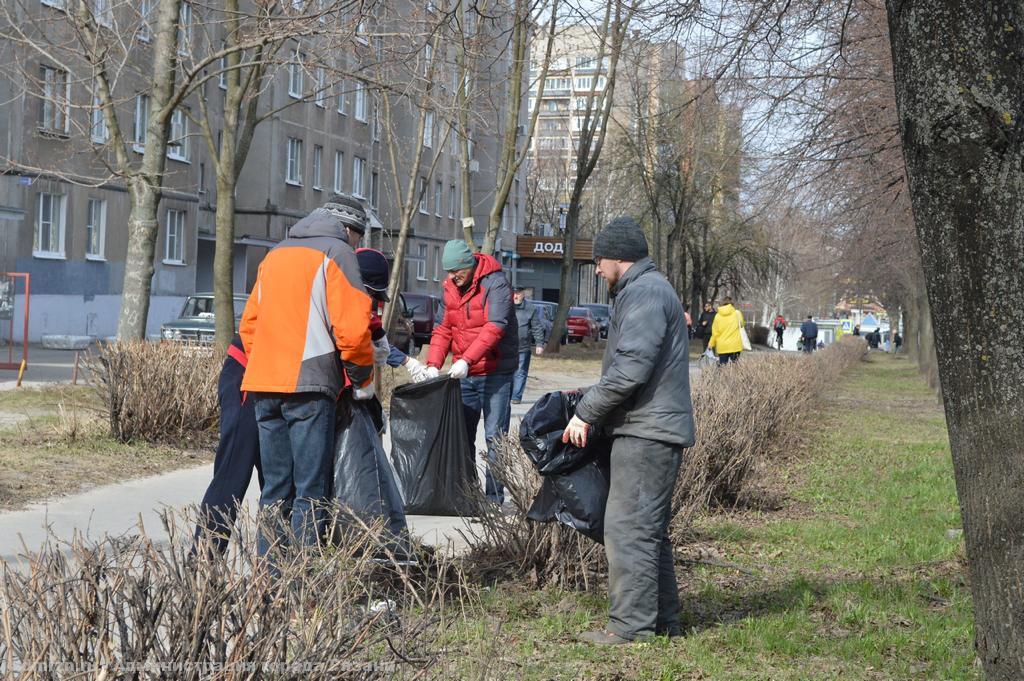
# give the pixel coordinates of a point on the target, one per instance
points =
(63, 215)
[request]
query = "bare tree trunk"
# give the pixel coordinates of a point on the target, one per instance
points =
(960, 119)
(223, 260)
(572, 219)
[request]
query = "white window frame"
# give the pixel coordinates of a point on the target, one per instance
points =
(438, 198)
(451, 201)
(437, 263)
(58, 105)
(421, 263)
(343, 99)
(374, 189)
(103, 13)
(95, 229)
(339, 170)
(428, 56)
(359, 110)
(320, 98)
(293, 165)
(176, 219)
(98, 132)
(56, 4)
(375, 128)
(422, 187)
(141, 122)
(361, 31)
(222, 77)
(318, 159)
(177, 141)
(428, 129)
(295, 75)
(144, 34)
(60, 213)
(359, 177)
(185, 30)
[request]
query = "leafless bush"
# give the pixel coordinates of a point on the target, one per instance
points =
(744, 413)
(137, 608)
(157, 392)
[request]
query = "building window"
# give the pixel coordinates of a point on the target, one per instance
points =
(59, 4)
(374, 189)
(321, 88)
(375, 127)
(343, 99)
(294, 171)
(428, 56)
(49, 236)
(358, 176)
(222, 77)
(177, 146)
(56, 94)
(102, 12)
(451, 201)
(144, 8)
(95, 229)
(422, 187)
(438, 197)
(174, 246)
(360, 107)
(295, 75)
(97, 122)
(339, 169)
(141, 122)
(185, 29)
(437, 263)
(428, 129)
(453, 142)
(421, 263)
(318, 156)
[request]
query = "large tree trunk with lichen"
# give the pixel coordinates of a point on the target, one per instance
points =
(959, 89)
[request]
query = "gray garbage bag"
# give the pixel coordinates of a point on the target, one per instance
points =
(364, 481)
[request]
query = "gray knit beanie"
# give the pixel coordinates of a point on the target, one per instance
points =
(621, 239)
(349, 210)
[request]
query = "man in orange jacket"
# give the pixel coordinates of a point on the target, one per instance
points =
(306, 322)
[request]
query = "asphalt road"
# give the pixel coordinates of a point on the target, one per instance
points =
(44, 365)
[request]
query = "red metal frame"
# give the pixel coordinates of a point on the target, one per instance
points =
(10, 363)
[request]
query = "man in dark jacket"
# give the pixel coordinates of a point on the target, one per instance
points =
(643, 402)
(529, 327)
(478, 325)
(238, 453)
(809, 334)
(704, 323)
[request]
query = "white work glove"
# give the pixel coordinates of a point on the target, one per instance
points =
(381, 350)
(363, 393)
(432, 372)
(540, 350)
(459, 370)
(417, 371)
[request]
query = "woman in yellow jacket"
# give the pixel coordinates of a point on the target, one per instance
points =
(726, 340)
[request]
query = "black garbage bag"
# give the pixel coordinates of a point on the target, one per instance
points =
(431, 449)
(576, 480)
(364, 482)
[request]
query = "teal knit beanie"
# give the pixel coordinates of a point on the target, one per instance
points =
(457, 256)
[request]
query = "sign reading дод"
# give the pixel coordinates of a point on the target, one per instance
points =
(551, 248)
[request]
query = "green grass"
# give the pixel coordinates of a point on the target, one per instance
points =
(854, 578)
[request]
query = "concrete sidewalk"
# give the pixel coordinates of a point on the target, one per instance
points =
(118, 509)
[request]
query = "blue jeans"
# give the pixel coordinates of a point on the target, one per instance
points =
(519, 377)
(297, 453)
(491, 395)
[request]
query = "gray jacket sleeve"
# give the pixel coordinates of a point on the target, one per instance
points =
(641, 329)
(536, 328)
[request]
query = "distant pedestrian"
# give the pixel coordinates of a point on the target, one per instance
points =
(689, 321)
(874, 339)
(530, 327)
(809, 334)
(704, 323)
(780, 328)
(238, 453)
(897, 340)
(856, 330)
(305, 328)
(478, 325)
(726, 339)
(642, 401)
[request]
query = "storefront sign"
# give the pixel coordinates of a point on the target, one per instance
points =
(552, 249)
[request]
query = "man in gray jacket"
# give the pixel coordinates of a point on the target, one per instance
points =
(643, 402)
(530, 329)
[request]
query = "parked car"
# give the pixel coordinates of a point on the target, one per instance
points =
(402, 333)
(196, 323)
(603, 315)
(582, 325)
(547, 316)
(424, 310)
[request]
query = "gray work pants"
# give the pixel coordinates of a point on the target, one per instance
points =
(642, 591)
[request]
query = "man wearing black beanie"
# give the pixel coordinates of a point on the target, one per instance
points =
(643, 403)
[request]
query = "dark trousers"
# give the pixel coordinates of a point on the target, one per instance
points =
(492, 396)
(519, 377)
(725, 358)
(238, 453)
(642, 590)
(809, 344)
(297, 451)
